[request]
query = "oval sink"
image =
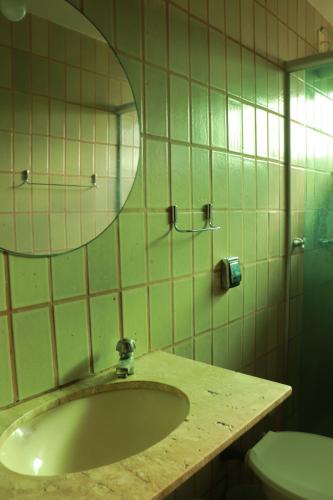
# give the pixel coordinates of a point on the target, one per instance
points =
(95, 430)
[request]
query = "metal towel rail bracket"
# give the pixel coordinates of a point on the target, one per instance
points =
(26, 180)
(208, 213)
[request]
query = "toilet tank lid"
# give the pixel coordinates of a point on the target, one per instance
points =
(296, 463)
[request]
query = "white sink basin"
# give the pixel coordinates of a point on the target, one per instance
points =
(95, 430)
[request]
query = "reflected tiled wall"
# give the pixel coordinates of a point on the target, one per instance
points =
(60, 95)
(208, 80)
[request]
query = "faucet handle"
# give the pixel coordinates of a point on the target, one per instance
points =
(126, 346)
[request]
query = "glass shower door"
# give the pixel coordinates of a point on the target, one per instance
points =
(311, 287)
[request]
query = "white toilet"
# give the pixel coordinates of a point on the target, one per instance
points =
(294, 465)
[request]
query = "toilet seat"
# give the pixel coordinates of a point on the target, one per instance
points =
(295, 463)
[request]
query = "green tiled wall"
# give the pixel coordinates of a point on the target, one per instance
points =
(208, 79)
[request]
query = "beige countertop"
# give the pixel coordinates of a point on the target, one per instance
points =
(223, 405)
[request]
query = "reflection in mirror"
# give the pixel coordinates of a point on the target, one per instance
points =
(69, 131)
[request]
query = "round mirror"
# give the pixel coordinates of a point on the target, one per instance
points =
(69, 129)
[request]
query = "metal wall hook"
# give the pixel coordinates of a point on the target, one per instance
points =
(208, 212)
(26, 180)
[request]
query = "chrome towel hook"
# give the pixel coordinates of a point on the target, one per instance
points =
(209, 224)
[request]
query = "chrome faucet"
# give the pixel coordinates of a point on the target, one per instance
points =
(125, 366)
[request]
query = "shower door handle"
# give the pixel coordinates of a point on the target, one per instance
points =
(299, 242)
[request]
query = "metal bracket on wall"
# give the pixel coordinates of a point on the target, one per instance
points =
(26, 180)
(208, 209)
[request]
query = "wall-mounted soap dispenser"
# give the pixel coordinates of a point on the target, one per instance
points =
(231, 274)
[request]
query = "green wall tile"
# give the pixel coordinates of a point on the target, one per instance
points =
(179, 108)
(201, 245)
(6, 69)
(235, 345)
(235, 182)
(199, 8)
(262, 327)
(178, 41)
(6, 147)
(132, 248)
(200, 122)
(261, 81)
(157, 174)
(5, 31)
(260, 28)
(236, 309)
(39, 75)
(274, 234)
(200, 177)
(216, 13)
(276, 281)
(155, 31)
(220, 177)
(158, 247)
(40, 115)
(22, 112)
(156, 101)
(105, 330)
(262, 231)
(250, 288)
(185, 349)
(6, 388)
(218, 119)
(102, 17)
(249, 130)
(262, 185)
(57, 42)
(180, 175)
(3, 299)
(250, 237)
(250, 184)
(103, 261)
(39, 36)
(6, 116)
(134, 304)
(21, 64)
(217, 59)
(21, 34)
(29, 281)
(182, 247)
(220, 237)
(128, 27)
(235, 125)
(71, 326)
(202, 303)
(248, 75)
(69, 274)
(199, 50)
(160, 315)
(247, 24)
(234, 67)
(232, 18)
(203, 348)
(33, 352)
(183, 307)
(220, 302)
(57, 80)
(220, 347)
(262, 285)
(249, 331)
(236, 234)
